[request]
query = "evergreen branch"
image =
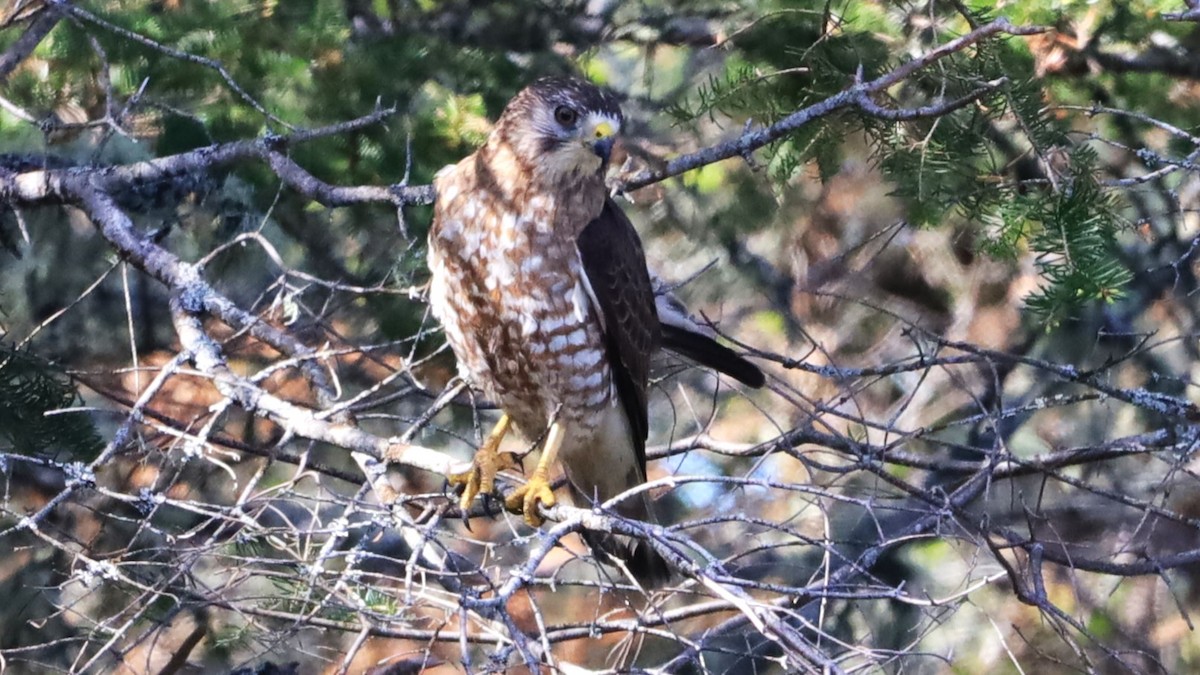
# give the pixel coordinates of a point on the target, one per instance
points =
(922, 112)
(31, 391)
(83, 476)
(212, 64)
(848, 98)
(40, 187)
(47, 186)
(1191, 14)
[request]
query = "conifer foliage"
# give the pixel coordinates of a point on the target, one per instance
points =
(962, 238)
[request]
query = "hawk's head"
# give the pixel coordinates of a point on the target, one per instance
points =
(561, 127)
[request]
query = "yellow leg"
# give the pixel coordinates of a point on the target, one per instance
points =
(525, 499)
(481, 477)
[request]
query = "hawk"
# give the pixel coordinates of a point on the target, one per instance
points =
(541, 285)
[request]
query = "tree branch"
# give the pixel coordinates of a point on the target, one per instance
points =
(852, 97)
(44, 22)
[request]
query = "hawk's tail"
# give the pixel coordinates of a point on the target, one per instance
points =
(689, 338)
(639, 557)
(708, 352)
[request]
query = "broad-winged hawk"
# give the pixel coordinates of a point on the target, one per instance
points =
(541, 284)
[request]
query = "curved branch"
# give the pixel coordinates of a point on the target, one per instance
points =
(192, 295)
(856, 96)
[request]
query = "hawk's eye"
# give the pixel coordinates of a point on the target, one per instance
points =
(565, 116)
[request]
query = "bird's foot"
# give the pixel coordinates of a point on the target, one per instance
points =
(525, 499)
(481, 477)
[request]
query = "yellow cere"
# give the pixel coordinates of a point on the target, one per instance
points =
(603, 130)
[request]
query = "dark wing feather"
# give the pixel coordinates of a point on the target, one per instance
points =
(708, 352)
(616, 269)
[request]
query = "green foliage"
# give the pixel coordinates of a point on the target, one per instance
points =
(383, 603)
(229, 639)
(308, 64)
(1015, 171)
(946, 168)
(1076, 242)
(31, 387)
(311, 64)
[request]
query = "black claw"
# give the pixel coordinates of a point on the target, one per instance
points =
(489, 500)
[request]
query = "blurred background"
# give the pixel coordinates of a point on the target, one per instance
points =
(978, 319)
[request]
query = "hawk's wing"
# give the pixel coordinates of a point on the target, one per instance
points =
(616, 271)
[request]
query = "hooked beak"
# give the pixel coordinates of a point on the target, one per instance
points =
(602, 139)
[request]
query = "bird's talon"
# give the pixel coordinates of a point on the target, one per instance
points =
(481, 477)
(525, 499)
(468, 481)
(488, 501)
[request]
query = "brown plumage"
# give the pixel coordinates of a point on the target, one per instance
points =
(541, 285)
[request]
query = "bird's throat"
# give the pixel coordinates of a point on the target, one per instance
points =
(567, 182)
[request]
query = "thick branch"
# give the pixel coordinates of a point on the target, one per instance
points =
(52, 186)
(185, 278)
